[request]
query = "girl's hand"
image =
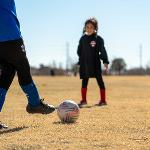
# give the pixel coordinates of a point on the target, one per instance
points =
(106, 67)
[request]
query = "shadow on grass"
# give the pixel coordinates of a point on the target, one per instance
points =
(87, 106)
(93, 106)
(17, 129)
(64, 123)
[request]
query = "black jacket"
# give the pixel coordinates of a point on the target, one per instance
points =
(90, 51)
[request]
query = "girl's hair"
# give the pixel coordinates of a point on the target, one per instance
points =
(94, 22)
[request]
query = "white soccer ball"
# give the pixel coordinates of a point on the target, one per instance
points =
(68, 111)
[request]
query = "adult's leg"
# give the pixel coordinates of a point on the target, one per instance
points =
(24, 76)
(7, 73)
(35, 104)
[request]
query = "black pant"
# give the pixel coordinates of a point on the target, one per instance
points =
(13, 59)
(99, 81)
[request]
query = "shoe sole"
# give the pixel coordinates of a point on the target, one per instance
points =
(39, 112)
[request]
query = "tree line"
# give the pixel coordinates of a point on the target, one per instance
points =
(118, 66)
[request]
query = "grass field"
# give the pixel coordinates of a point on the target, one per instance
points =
(122, 125)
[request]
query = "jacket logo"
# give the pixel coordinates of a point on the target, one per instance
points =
(93, 43)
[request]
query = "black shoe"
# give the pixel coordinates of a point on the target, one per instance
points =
(82, 103)
(101, 104)
(3, 126)
(42, 108)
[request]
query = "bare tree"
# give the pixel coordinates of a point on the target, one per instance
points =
(118, 65)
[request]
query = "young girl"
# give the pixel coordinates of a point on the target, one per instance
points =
(90, 51)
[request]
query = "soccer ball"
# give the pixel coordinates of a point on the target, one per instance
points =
(68, 111)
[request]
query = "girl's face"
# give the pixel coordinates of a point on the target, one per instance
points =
(89, 29)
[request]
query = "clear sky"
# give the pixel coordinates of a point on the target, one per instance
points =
(47, 25)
